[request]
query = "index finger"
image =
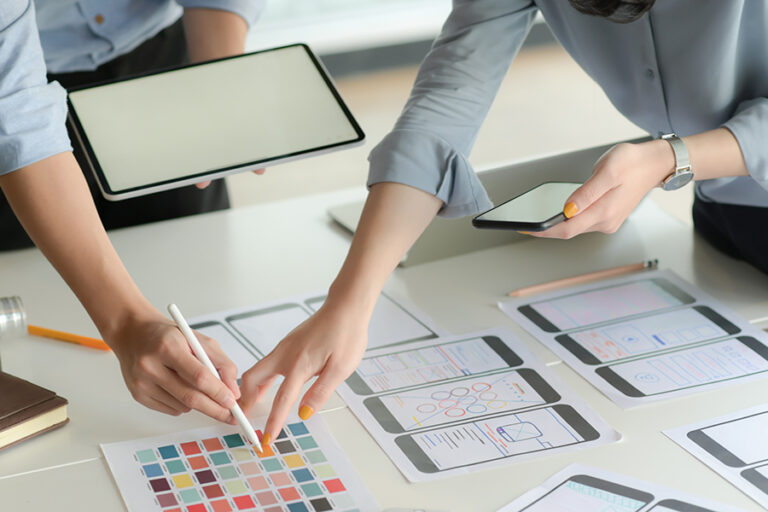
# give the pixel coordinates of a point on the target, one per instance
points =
(194, 372)
(284, 399)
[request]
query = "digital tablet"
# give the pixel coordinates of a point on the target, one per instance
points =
(199, 122)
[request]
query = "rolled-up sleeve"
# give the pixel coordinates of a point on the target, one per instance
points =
(249, 10)
(456, 84)
(32, 111)
(750, 127)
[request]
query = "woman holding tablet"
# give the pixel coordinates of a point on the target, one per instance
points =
(46, 189)
(693, 71)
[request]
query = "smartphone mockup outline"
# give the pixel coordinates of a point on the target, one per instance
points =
(231, 319)
(602, 485)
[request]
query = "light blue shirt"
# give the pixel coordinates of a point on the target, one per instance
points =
(32, 111)
(686, 67)
(81, 35)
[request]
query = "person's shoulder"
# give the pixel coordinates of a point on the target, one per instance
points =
(12, 10)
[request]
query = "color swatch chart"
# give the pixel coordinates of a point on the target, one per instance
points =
(645, 337)
(457, 404)
(214, 470)
(580, 488)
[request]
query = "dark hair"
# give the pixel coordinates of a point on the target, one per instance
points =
(619, 11)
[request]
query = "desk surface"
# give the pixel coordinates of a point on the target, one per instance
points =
(268, 252)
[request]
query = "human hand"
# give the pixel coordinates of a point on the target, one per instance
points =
(620, 179)
(328, 345)
(204, 184)
(162, 373)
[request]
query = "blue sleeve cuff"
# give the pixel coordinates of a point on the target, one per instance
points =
(249, 10)
(426, 162)
(750, 127)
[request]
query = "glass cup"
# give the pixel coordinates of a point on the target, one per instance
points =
(13, 319)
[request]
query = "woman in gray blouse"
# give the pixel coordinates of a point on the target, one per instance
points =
(694, 68)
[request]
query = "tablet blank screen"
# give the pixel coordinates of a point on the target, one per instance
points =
(220, 115)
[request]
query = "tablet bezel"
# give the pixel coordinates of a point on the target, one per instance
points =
(190, 179)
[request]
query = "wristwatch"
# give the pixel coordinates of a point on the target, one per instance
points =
(683, 172)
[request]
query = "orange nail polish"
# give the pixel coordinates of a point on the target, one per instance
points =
(524, 232)
(305, 412)
(570, 210)
(265, 440)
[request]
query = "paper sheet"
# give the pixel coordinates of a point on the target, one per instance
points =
(580, 488)
(213, 469)
(645, 337)
(735, 446)
(248, 334)
(457, 404)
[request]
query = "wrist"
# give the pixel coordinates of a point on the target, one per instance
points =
(662, 160)
(351, 295)
(114, 321)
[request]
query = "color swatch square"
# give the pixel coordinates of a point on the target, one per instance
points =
(197, 462)
(241, 454)
(302, 475)
(285, 446)
(294, 460)
(334, 485)
(250, 468)
(275, 509)
(234, 440)
(213, 491)
(311, 489)
(213, 444)
(266, 452)
(205, 477)
(289, 493)
(244, 502)
(258, 483)
(282, 435)
(152, 470)
(183, 481)
(220, 506)
(236, 487)
(298, 429)
(321, 504)
(272, 464)
(343, 501)
(280, 479)
(190, 496)
(166, 500)
(297, 507)
(325, 471)
(160, 485)
(146, 456)
(168, 452)
(315, 456)
(196, 508)
(219, 458)
(228, 472)
(307, 443)
(190, 448)
(175, 466)
(266, 498)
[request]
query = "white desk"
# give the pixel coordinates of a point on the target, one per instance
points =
(277, 250)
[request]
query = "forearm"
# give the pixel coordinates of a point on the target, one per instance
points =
(394, 217)
(51, 200)
(715, 154)
(213, 34)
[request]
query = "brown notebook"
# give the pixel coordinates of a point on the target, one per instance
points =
(27, 410)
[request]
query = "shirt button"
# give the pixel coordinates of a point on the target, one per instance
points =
(99, 19)
(649, 74)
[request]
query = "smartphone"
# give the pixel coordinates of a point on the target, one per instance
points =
(499, 437)
(535, 210)
(460, 400)
(659, 332)
(758, 477)
(688, 368)
(736, 443)
(606, 304)
(264, 328)
(242, 353)
(589, 494)
(414, 367)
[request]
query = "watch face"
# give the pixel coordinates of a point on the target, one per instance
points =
(678, 180)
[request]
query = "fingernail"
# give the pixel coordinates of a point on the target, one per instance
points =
(570, 210)
(525, 232)
(265, 440)
(305, 412)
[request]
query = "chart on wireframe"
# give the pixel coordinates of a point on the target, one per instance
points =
(645, 337)
(215, 470)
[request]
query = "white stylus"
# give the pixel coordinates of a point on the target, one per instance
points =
(197, 348)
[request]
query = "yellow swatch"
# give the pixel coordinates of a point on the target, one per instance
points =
(183, 481)
(294, 460)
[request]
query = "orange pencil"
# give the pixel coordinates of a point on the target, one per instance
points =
(585, 278)
(65, 336)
